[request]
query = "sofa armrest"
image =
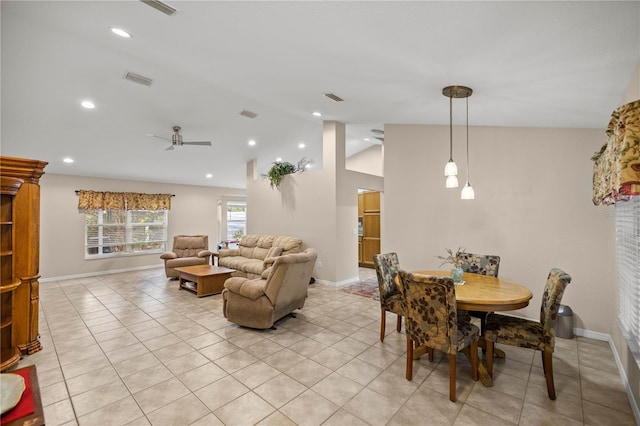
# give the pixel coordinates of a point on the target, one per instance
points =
(228, 252)
(251, 289)
(204, 253)
(168, 255)
(268, 262)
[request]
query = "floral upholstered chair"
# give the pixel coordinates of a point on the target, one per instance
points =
(391, 298)
(432, 321)
(531, 334)
(483, 264)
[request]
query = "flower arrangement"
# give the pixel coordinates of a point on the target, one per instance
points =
(282, 168)
(453, 259)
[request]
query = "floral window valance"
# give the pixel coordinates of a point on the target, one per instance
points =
(94, 200)
(616, 171)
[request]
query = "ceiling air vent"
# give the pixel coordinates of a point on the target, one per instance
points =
(136, 78)
(249, 114)
(162, 7)
(333, 97)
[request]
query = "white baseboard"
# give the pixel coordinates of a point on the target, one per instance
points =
(97, 273)
(592, 334)
(621, 370)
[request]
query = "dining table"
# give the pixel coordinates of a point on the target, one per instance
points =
(486, 294)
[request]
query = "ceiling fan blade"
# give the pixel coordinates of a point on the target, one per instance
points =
(204, 143)
(169, 148)
(159, 137)
(381, 139)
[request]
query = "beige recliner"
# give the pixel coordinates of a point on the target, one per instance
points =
(260, 302)
(187, 250)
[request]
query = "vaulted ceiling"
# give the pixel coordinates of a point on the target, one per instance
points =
(531, 64)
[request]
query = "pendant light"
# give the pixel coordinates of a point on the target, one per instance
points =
(451, 169)
(467, 191)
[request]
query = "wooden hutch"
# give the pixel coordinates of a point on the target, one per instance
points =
(19, 256)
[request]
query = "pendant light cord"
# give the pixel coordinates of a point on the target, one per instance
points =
(468, 172)
(451, 127)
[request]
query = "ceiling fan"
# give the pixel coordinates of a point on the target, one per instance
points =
(378, 134)
(176, 139)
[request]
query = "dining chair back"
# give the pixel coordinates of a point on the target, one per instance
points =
(391, 298)
(432, 321)
(531, 334)
(483, 264)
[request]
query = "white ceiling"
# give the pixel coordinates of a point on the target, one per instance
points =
(531, 64)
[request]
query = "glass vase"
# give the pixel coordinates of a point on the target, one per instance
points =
(456, 274)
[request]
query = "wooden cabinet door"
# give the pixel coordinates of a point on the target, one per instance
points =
(370, 247)
(371, 201)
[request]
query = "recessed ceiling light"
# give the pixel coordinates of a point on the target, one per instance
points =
(317, 114)
(88, 104)
(252, 142)
(120, 32)
(67, 160)
(301, 145)
(367, 139)
(279, 160)
(209, 176)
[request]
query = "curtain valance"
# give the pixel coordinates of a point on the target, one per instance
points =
(95, 200)
(616, 171)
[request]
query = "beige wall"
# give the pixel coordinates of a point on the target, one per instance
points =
(193, 211)
(629, 364)
(368, 161)
(533, 208)
(314, 207)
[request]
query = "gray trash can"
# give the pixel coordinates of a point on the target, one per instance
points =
(564, 322)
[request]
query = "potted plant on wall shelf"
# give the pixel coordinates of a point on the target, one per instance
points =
(280, 169)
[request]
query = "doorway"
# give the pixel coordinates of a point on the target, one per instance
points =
(368, 227)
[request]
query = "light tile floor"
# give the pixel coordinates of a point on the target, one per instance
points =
(131, 348)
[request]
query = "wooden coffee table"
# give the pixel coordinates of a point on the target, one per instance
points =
(203, 280)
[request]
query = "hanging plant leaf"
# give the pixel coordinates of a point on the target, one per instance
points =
(282, 168)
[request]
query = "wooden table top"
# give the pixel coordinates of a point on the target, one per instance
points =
(486, 293)
(204, 270)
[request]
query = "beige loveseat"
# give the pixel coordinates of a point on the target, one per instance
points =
(257, 252)
(260, 302)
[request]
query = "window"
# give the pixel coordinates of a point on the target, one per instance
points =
(628, 265)
(236, 220)
(124, 232)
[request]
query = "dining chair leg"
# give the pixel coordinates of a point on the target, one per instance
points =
(452, 377)
(547, 365)
(409, 372)
(382, 325)
(489, 345)
(399, 323)
(430, 352)
(474, 361)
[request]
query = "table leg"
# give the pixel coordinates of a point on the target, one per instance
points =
(498, 353)
(483, 374)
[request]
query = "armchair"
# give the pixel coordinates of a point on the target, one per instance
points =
(282, 288)
(187, 250)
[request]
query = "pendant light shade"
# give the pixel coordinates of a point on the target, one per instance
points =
(452, 182)
(451, 169)
(467, 192)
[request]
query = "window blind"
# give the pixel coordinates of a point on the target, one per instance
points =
(628, 267)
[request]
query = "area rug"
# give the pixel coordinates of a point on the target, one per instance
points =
(365, 288)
